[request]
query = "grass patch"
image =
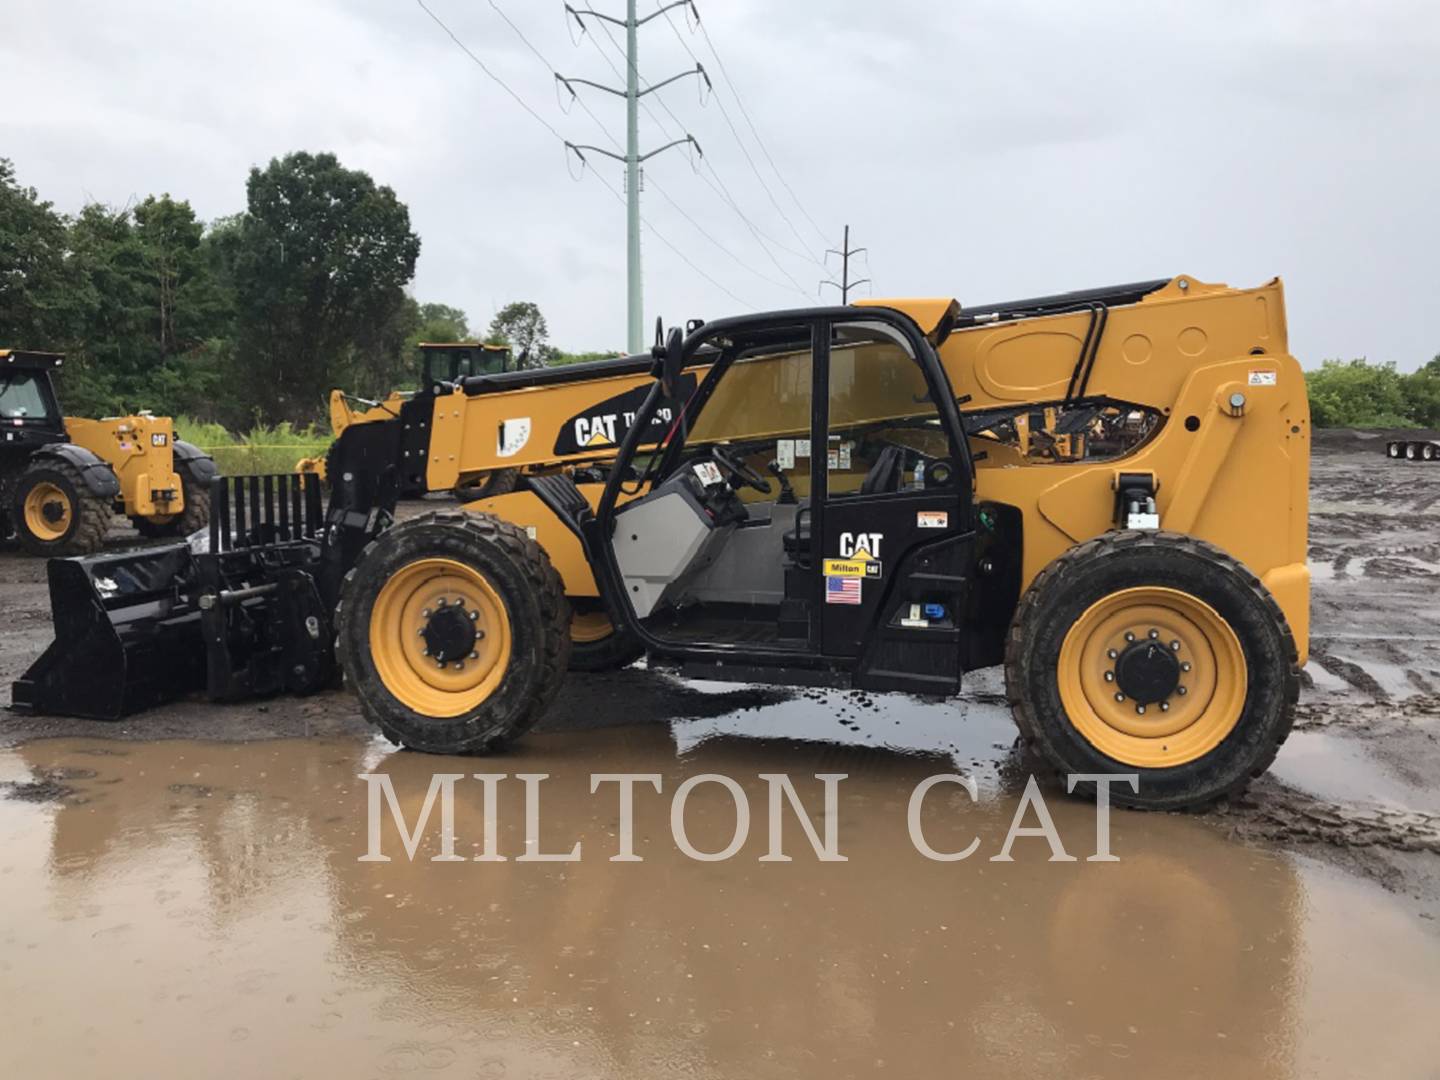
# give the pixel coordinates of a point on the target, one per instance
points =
(259, 450)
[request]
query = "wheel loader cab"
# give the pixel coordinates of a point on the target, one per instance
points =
(809, 512)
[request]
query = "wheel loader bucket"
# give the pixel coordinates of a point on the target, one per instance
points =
(127, 636)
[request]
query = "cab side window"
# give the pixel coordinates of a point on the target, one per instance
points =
(884, 430)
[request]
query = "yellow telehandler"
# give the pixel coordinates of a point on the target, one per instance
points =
(835, 496)
(62, 478)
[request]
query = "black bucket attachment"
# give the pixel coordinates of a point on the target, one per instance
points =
(126, 636)
(239, 616)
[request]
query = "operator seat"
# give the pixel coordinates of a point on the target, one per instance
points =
(885, 475)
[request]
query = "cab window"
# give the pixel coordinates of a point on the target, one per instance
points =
(21, 398)
(884, 428)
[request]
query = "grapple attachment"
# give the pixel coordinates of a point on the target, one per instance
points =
(237, 612)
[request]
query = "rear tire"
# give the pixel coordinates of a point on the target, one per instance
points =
(595, 644)
(1229, 706)
(406, 605)
(55, 514)
(496, 482)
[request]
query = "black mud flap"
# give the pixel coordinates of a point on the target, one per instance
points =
(126, 638)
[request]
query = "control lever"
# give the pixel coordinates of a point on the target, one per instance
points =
(787, 493)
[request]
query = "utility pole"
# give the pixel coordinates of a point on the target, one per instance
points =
(632, 158)
(844, 284)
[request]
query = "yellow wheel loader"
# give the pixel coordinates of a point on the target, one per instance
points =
(62, 478)
(835, 496)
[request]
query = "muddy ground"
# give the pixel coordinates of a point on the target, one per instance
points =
(188, 885)
(1356, 783)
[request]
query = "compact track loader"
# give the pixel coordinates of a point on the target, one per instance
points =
(62, 477)
(1104, 491)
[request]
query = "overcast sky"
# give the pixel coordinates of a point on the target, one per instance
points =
(985, 150)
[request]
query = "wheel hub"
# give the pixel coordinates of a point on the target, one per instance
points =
(449, 632)
(1147, 672)
(53, 511)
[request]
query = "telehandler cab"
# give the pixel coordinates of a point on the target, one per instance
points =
(62, 477)
(836, 496)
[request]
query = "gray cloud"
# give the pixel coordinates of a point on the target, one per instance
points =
(979, 149)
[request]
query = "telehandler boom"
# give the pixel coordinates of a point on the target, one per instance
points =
(1104, 491)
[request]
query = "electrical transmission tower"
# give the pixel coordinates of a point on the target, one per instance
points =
(845, 284)
(632, 158)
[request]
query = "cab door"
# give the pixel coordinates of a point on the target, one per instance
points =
(893, 512)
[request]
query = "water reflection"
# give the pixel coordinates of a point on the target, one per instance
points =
(211, 895)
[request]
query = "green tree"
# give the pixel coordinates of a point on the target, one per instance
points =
(321, 263)
(521, 326)
(37, 304)
(1356, 393)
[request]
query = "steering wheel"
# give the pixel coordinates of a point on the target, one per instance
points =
(738, 470)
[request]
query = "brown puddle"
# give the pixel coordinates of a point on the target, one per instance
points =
(198, 909)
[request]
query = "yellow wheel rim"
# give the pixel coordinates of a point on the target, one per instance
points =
(414, 627)
(47, 512)
(1187, 722)
(587, 627)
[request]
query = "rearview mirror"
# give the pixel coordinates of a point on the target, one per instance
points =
(674, 362)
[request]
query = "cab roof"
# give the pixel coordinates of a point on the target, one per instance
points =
(29, 359)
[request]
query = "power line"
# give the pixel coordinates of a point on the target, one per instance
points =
(551, 129)
(705, 33)
(605, 130)
(724, 112)
(723, 191)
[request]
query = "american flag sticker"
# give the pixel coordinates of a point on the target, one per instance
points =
(842, 590)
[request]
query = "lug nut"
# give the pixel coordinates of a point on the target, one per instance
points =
(474, 656)
(479, 635)
(1109, 676)
(425, 653)
(1164, 706)
(1154, 634)
(1181, 691)
(1185, 666)
(425, 613)
(473, 615)
(440, 602)
(1139, 710)
(1174, 646)
(440, 664)
(459, 665)
(1112, 654)
(1119, 697)
(1129, 636)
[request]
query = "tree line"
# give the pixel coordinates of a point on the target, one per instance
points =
(1357, 393)
(252, 318)
(247, 319)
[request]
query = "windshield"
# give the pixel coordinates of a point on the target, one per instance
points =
(21, 397)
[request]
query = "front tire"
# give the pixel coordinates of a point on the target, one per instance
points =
(54, 513)
(1155, 654)
(454, 631)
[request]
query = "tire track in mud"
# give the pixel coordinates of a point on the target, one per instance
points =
(1274, 812)
(1347, 670)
